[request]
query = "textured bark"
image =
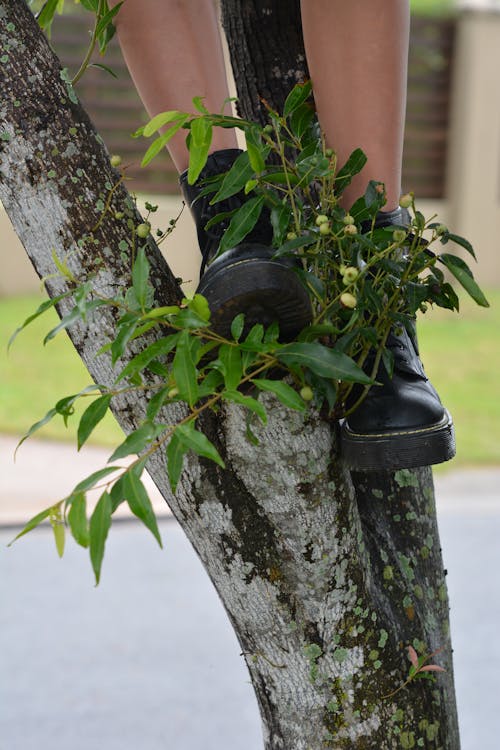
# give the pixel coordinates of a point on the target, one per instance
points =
(326, 577)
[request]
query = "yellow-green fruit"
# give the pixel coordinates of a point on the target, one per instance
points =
(406, 200)
(348, 300)
(324, 228)
(399, 235)
(321, 219)
(291, 236)
(143, 229)
(173, 392)
(350, 275)
(307, 393)
(119, 215)
(348, 219)
(116, 160)
(350, 229)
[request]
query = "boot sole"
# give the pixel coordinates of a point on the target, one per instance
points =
(401, 449)
(263, 289)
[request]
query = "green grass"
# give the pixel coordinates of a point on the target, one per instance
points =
(432, 7)
(460, 353)
(33, 377)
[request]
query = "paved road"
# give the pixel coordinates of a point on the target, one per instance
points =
(148, 659)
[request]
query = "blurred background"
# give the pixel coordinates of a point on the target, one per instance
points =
(90, 649)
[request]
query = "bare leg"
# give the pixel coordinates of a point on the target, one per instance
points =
(173, 51)
(357, 53)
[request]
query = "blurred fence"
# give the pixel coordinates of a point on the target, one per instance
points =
(117, 111)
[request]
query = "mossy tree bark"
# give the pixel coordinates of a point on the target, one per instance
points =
(326, 577)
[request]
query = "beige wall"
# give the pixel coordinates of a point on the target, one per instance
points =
(474, 146)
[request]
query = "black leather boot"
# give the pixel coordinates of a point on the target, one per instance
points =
(402, 423)
(244, 279)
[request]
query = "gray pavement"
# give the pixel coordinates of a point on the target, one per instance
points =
(148, 659)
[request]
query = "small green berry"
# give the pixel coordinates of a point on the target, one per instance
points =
(350, 275)
(342, 269)
(324, 228)
(173, 392)
(116, 160)
(321, 219)
(268, 129)
(399, 235)
(350, 229)
(119, 215)
(329, 152)
(348, 219)
(307, 393)
(143, 229)
(406, 200)
(348, 300)
(291, 236)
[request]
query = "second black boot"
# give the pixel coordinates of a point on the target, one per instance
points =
(244, 279)
(401, 423)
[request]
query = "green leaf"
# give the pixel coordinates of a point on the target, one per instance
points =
(256, 150)
(296, 97)
(162, 140)
(236, 179)
(77, 519)
(304, 240)
(230, 358)
(46, 15)
(242, 223)
(156, 402)
(302, 119)
(237, 325)
(34, 427)
(139, 503)
(105, 68)
(286, 394)
(138, 440)
(33, 523)
(91, 418)
(58, 529)
(100, 521)
(196, 441)
(125, 332)
(280, 220)
(158, 121)
(199, 145)
(353, 166)
(68, 320)
(199, 305)
(39, 311)
(184, 370)
(153, 351)
(92, 479)
(210, 383)
(323, 361)
(198, 104)
(463, 275)
(140, 277)
(459, 241)
(315, 331)
(248, 402)
(175, 457)
(107, 18)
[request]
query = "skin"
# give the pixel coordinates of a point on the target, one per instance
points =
(357, 56)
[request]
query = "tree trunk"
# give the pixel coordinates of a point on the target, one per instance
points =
(327, 577)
